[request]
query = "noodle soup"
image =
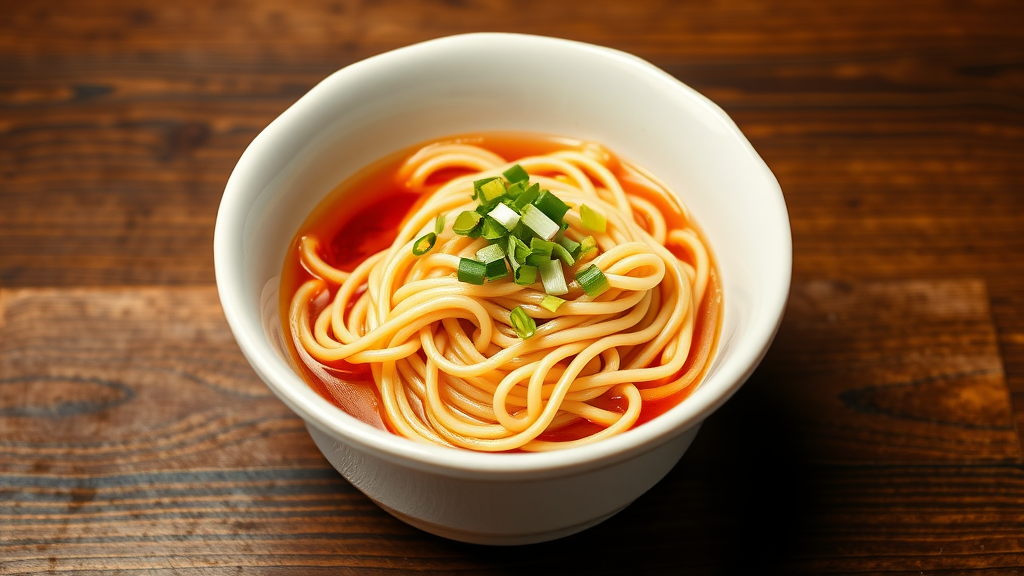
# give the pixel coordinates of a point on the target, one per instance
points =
(391, 320)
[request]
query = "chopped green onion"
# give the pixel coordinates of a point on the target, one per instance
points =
(471, 271)
(424, 244)
(516, 189)
(563, 255)
(536, 259)
(525, 275)
(527, 197)
(522, 232)
(505, 216)
(490, 253)
(539, 222)
(491, 191)
(542, 247)
(493, 258)
(592, 219)
(478, 184)
(439, 224)
(492, 229)
(593, 281)
(518, 250)
(552, 277)
(516, 174)
(551, 303)
(466, 222)
(587, 244)
(496, 269)
(522, 323)
(572, 247)
(551, 205)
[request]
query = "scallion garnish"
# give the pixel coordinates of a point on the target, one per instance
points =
(518, 250)
(571, 246)
(522, 323)
(493, 258)
(527, 197)
(492, 229)
(491, 191)
(523, 224)
(551, 303)
(471, 271)
(593, 281)
(587, 244)
(466, 222)
(490, 253)
(516, 174)
(592, 219)
(552, 206)
(525, 275)
(541, 247)
(477, 184)
(439, 224)
(559, 251)
(516, 189)
(552, 277)
(423, 244)
(539, 222)
(505, 216)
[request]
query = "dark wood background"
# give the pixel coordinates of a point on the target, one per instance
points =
(881, 434)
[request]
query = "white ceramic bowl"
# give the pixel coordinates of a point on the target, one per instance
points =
(502, 82)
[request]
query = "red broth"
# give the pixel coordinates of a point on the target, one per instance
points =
(355, 225)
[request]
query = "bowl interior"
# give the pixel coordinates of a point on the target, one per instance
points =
(501, 82)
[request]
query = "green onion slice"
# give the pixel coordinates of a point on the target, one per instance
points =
(439, 224)
(592, 219)
(539, 222)
(505, 216)
(551, 205)
(559, 251)
(491, 191)
(492, 229)
(516, 189)
(517, 249)
(587, 244)
(423, 244)
(526, 198)
(525, 275)
(466, 222)
(541, 247)
(571, 246)
(471, 271)
(490, 253)
(478, 184)
(493, 258)
(516, 174)
(593, 281)
(553, 279)
(522, 323)
(551, 303)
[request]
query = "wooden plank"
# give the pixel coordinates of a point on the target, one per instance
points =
(876, 435)
(886, 372)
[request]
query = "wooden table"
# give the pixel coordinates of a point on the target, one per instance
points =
(880, 435)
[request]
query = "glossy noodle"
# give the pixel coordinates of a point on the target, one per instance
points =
(448, 362)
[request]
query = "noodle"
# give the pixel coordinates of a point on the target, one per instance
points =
(448, 364)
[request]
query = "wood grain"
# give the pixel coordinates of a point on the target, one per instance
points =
(133, 434)
(135, 439)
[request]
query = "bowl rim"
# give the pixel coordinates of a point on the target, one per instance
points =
(228, 253)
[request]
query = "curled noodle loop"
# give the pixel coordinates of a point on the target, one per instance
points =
(448, 366)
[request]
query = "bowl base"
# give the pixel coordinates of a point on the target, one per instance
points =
(497, 539)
